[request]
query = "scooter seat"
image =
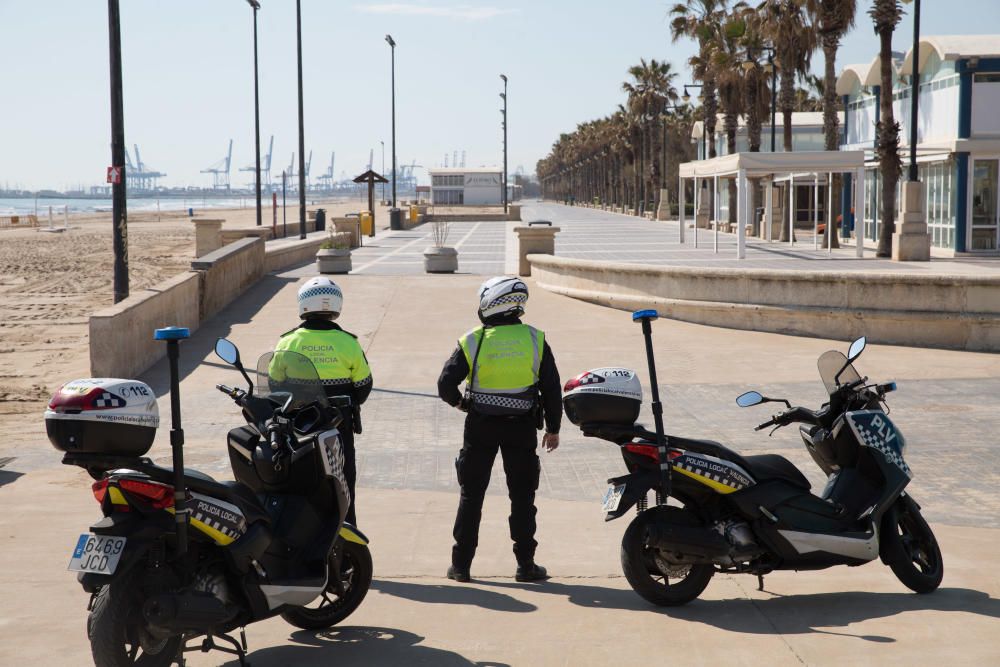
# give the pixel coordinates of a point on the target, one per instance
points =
(774, 466)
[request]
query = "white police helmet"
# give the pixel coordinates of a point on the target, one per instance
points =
(322, 297)
(502, 295)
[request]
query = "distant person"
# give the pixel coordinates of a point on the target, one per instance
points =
(339, 361)
(512, 388)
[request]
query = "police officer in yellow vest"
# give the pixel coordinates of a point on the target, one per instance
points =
(338, 358)
(512, 389)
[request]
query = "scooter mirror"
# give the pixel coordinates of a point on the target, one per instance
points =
(857, 347)
(227, 352)
(748, 399)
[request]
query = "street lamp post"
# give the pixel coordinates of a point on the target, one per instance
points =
(383, 169)
(392, 49)
(914, 90)
(118, 210)
(774, 91)
(704, 121)
(256, 106)
(503, 95)
(302, 140)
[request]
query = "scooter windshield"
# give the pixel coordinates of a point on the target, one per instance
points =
(284, 373)
(829, 365)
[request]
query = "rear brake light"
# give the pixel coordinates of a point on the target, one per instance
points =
(650, 451)
(100, 489)
(158, 495)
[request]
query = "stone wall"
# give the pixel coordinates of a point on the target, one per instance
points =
(949, 311)
(121, 336)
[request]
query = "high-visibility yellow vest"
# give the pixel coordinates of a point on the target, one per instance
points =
(503, 364)
(337, 355)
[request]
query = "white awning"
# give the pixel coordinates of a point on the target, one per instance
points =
(766, 164)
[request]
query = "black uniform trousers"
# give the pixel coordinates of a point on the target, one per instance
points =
(516, 439)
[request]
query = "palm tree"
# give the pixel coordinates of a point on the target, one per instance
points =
(794, 38)
(886, 14)
(697, 19)
(727, 60)
(649, 92)
(786, 25)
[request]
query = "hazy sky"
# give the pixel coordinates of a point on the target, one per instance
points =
(189, 87)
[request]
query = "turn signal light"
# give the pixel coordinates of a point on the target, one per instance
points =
(100, 489)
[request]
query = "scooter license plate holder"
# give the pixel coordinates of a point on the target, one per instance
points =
(613, 497)
(97, 553)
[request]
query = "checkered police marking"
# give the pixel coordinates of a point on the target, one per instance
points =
(500, 401)
(320, 291)
(109, 400)
(714, 469)
(874, 429)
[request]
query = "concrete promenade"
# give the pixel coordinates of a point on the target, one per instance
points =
(586, 615)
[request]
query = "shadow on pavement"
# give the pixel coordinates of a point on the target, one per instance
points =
(9, 476)
(202, 342)
(357, 646)
(461, 595)
(792, 614)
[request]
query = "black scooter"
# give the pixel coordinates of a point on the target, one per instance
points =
(756, 514)
(179, 557)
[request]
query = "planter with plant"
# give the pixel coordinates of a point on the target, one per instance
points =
(334, 254)
(440, 258)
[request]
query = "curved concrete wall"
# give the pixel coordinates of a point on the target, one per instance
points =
(951, 311)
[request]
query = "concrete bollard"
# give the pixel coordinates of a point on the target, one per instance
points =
(514, 212)
(207, 235)
(534, 239)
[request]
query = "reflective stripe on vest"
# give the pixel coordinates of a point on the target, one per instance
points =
(506, 368)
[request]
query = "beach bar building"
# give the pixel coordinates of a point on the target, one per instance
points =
(461, 185)
(958, 137)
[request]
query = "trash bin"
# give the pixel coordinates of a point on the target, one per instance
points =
(395, 218)
(190, 212)
(320, 219)
(413, 215)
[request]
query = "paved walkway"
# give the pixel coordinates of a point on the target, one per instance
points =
(408, 322)
(600, 235)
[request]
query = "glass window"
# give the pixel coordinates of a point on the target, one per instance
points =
(990, 77)
(984, 204)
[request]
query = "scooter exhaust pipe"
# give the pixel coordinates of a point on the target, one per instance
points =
(187, 611)
(688, 540)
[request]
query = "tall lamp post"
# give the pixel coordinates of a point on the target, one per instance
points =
(503, 95)
(256, 106)
(704, 121)
(392, 49)
(383, 168)
(914, 90)
(302, 139)
(118, 212)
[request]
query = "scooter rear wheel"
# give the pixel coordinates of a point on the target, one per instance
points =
(114, 627)
(649, 575)
(919, 566)
(355, 576)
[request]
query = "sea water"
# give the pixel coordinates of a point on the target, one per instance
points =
(14, 206)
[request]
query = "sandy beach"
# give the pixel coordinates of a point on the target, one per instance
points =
(51, 282)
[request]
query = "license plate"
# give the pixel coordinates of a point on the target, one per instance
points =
(613, 498)
(97, 553)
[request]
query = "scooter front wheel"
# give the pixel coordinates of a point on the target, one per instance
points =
(651, 576)
(346, 589)
(919, 564)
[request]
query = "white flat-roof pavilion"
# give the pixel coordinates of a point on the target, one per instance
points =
(775, 167)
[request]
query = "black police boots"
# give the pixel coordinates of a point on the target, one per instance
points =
(530, 572)
(461, 575)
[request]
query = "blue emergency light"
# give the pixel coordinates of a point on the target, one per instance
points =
(172, 333)
(644, 314)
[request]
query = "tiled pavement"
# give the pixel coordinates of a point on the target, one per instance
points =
(411, 437)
